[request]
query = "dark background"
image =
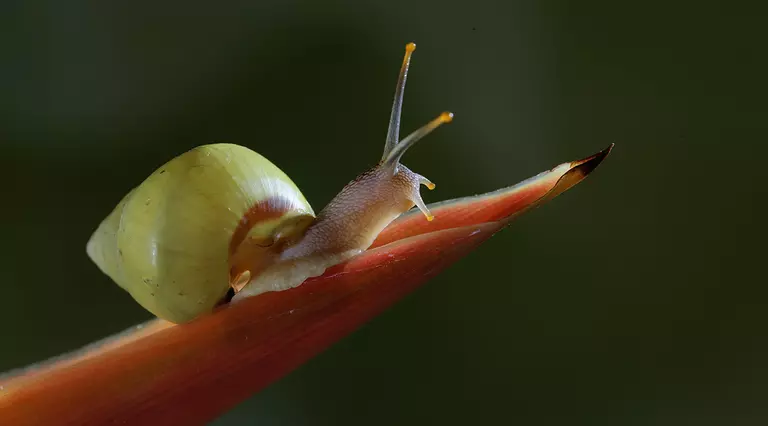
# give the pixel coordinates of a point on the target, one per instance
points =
(638, 297)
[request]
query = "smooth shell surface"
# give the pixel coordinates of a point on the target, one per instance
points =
(168, 240)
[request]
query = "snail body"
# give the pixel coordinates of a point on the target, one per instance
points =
(222, 219)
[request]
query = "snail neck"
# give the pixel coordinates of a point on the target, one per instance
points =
(346, 227)
(359, 212)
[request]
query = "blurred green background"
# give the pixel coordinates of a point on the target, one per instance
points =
(638, 297)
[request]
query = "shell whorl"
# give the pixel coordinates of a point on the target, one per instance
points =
(169, 242)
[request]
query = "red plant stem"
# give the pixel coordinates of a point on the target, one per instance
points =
(189, 374)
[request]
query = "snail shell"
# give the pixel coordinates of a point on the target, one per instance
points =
(169, 241)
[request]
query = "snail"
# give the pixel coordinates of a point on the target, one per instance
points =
(220, 223)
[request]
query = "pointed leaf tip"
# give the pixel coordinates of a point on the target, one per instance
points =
(577, 171)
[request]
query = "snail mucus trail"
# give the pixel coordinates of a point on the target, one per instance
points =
(221, 219)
